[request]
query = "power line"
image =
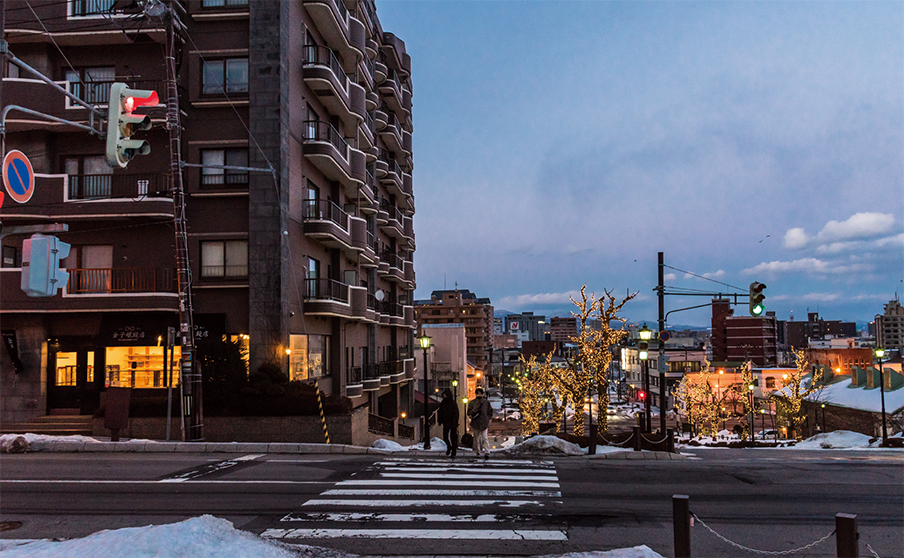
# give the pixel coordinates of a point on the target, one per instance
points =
(702, 277)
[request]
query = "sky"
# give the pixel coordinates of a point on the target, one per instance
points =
(564, 143)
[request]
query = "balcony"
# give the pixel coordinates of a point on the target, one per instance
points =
(366, 132)
(326, 297)
(325, 147)
(392, 225)
(393, 270)
(327, 223)
(365, 75)
(369, 258)
(392, 179)
(354, 381)
(324, 74)
(391, 92)
(342, 32)
(391, 133)
(368, 16)
(367, 201)
(61, 197)
(105, 281)
(407, 188)
(393, 50)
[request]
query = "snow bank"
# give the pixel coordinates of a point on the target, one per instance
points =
(544, 445)
(385, 444)
(839, 439)
(199, 537)
(208, 537)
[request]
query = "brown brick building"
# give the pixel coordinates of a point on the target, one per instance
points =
(462, 307)
(739, 338)
(309, 263)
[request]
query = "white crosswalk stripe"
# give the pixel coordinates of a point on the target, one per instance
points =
(501, 500)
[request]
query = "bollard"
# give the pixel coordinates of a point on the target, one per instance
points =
(681, 521)
(591, 450)
(846, 536)
(670, 440)
(636, 437)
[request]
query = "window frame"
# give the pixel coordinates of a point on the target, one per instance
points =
(230, 177)
(206, 268)
(224, 87)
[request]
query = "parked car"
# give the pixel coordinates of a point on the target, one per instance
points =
(767, 434)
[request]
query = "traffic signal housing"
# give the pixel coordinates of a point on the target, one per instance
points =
(757, 307)
(41, 257)
(122, 123)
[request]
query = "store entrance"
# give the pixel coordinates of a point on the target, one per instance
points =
(71, 384)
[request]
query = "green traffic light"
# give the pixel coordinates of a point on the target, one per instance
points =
(758, 309)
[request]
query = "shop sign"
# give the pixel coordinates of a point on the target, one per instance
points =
(12, 348)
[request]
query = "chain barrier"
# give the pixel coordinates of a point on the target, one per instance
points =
(621, 444)
(767, 552)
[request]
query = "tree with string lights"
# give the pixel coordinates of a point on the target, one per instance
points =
(796, 387)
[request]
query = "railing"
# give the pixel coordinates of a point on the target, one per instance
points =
(353, 375)
(326, 289)
(324, 210)
(91, 281)
(98, 91)
(406, 431)
(343, 11)
(104, 186)
(314, 55)
(392, 367)
(316, 130)
(390, 308)
(92, 7)
(372, 301)
(392, 259)
(393, 211)
(223, 3)
(380, 425)
(370, 122)
(229, 178)
(392, 119)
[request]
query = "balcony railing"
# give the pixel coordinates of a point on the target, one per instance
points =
(97, 92)
(314, 55)
(230, 178)
(353, 375)
(326, 289)
(92, 7)
(316, 130)
(381, 425)
(393, 211)
(406, 431)
(105, 186)
(324, 210)
(146, 280)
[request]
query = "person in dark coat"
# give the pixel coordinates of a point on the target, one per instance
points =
(448, 417)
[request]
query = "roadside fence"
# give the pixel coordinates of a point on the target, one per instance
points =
(845, 533)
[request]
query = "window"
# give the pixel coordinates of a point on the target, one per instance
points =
(224, 158)
(309, 357)
(91, 85)
(225, 76)
(140, 367)
(90, 268)
(312, 274)
(224, 258)
(90, 177)
(11, 257)
(224, 3)
(770, 383)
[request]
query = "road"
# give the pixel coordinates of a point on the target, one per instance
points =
(765, 499)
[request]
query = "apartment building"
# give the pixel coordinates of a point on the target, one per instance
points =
(890, 326)
(741, 338)
(461, 307)
(308, 262)
(562, 329)
(799, 334)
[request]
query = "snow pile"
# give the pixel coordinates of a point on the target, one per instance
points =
(544, 445)
(839, 439)
(389, 445)
(600, 450)
(199, 537)
(207, 537)
(17, 443)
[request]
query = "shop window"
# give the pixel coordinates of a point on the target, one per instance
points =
(224, 158)
(228, 258)
(140, 367)
(228, 75)
(309, 357)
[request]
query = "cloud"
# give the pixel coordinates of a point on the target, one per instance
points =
(527, 300)
(858, 226)
(669, 277)
(807, 265)
(896, 240)
(795, 239)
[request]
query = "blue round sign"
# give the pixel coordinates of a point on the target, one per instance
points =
(18, 176)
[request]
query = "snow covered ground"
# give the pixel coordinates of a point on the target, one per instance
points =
(838, 439)
(206, 537)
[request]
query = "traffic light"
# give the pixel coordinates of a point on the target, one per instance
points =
(756, 298)
(643, 345)
(642, 395)
(121, 124)
(41, 273)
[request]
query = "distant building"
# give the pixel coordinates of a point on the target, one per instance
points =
(461, 307)
(798, 334)
(563, 329)
(890, 326)
(525, 323)
(739, 338)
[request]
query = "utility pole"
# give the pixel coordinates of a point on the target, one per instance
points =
(663, 395)
(190, 381)
(3, 49)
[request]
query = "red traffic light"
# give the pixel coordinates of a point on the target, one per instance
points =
(642, 394)
(131, 103)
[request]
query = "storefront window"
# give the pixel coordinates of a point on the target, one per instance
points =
(309, 357)
(65, 368)
(140, 367)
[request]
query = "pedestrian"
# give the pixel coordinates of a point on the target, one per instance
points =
(448, 417)
(479, 411)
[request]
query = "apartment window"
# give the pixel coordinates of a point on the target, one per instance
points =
(224, 158)
(309, 357)
(89, 177)
(770, 383)
(92, 7)
(229, 75)
(92, 85)
(228, 258)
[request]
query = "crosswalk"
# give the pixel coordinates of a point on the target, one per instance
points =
(430, 499)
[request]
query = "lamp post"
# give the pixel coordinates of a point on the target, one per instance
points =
(645, 335)
(880, 353)
(424, 341)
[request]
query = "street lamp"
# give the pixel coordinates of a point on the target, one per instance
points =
(645, 335)
(880, 353)
(424, 341)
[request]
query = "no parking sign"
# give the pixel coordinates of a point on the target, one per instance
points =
(18, 176)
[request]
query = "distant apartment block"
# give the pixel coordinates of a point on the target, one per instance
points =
(890, 326)
(563, 329)
(741, 338)
(461, 307)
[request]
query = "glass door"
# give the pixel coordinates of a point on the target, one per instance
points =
(71, 383)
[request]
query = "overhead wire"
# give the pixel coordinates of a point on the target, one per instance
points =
(703, 277)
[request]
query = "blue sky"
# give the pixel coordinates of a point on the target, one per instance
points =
(563, 143)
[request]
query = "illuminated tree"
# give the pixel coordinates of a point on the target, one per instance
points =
(597, 352)
(796, 387)
(701, 403)
(535, 392)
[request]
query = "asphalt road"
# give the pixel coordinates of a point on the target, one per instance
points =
(765, 499)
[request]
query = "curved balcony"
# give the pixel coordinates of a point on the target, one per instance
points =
(393, 48)
(354, 381)
(407, 188)
(381, 168)
(408, 273)
(371, 100)
(394, 268)
(390, 219)
(381, 118)
(410, 370)
(409, 316)
(365, 75)
(367, 131)
(391, 91)
(326, 297)
(327, 223)
(391, 133)
(407, 227)
(408, 206)
(358, 167)
(325, 147)
(358, 297)
(369, 259)
(322, 71)
(380, 72)
(370, 48)
(406, 143)
(367, 203)
(342, 32)
(406, 99)
(392, 180)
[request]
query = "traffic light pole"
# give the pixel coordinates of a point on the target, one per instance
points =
(192, 405)
(663, 395)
